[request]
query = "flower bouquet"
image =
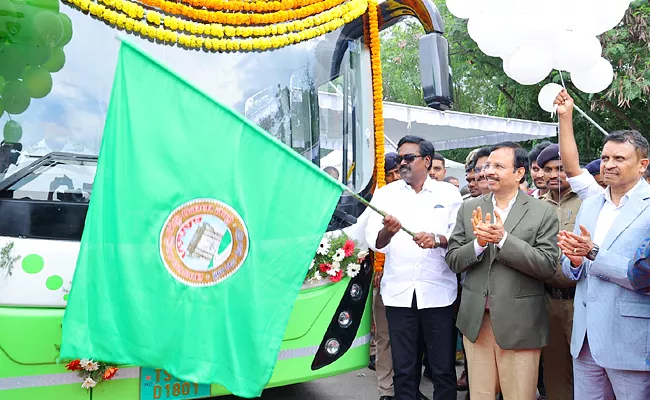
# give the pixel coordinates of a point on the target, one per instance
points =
(336, 257)
(92, 372)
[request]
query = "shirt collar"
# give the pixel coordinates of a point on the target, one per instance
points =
(428, 184)
(510, 203)
(626, 197)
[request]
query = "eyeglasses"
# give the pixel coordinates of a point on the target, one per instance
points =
(409, 158)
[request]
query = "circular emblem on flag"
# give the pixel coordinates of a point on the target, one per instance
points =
(203, 242)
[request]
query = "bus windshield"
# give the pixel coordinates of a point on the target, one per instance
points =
(278, 90)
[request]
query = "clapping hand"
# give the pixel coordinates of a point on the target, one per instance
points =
(477, 221)
(575, 247)
(489, 232)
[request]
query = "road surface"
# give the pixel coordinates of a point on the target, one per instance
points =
(358, 385)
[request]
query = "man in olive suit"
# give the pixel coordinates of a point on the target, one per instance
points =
(507, 254)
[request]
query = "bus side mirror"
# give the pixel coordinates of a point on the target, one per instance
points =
(435, 72)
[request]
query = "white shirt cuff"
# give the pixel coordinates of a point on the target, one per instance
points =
(581, 181)
(500, 244)
(478, 249)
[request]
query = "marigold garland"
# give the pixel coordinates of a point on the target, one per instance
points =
(251, 5)
(136, 11)
(229, 18)
(134, 18)
(275, 24)
(378, 109)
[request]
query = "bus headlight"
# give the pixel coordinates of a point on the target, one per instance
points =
(332, 347)
(345, 319)
(356, 292)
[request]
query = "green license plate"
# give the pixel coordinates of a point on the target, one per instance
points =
(158, 384)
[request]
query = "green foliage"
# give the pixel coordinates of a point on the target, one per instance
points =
(481, 86)
(7, 259)
(400, 64)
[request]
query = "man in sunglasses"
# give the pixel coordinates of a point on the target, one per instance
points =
(418, 288)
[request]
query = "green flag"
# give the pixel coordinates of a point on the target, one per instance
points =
(198, 237)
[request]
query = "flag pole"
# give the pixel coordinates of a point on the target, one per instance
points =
(365, 202)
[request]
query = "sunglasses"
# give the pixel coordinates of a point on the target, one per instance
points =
(409, 158)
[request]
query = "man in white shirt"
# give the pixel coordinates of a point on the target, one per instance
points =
(610, 341)
(584, 182)
(418, 288)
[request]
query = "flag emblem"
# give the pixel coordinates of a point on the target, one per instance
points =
(203, 242)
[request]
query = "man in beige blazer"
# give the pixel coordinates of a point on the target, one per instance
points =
(507, 254)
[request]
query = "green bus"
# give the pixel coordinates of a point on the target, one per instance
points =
(315, 96)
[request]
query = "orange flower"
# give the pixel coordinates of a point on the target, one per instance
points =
(110, 373)
(204, 15)
(164, 23)
(74, 365)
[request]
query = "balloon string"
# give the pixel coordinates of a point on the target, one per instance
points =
(559, 189)
(562, 79)
(575, 106)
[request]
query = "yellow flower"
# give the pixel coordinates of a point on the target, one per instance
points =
(121, 20)
(244, 19)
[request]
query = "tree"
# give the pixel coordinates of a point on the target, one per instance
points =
(481, 86)
(400, 63)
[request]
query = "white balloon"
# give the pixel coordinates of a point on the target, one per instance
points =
(506, 67)
(594, 17)
(491, 35)
(547, 96)
(595, 79)
(462, 8)
(610, 17)
(478, 26)
(576, 51)
(529, 65)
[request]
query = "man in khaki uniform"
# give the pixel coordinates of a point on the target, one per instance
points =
(560, 291)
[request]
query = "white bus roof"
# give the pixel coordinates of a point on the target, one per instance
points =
(448, 129)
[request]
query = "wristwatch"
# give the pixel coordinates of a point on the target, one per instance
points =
(593, 252)
(436, 240)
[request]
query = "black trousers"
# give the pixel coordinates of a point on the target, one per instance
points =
(437, 326)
